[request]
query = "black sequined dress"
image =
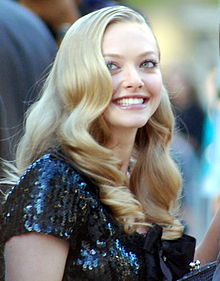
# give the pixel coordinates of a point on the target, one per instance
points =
(54, 197)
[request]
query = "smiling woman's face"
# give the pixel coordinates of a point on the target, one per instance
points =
(132, 57)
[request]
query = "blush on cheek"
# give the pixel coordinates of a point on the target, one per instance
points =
(155, 86)
(116, 84)
(114, 93)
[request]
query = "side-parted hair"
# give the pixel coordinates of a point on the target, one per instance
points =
(69, 114)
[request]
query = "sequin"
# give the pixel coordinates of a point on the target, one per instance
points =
(54, 198)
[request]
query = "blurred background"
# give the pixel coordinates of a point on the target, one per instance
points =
(188, 36)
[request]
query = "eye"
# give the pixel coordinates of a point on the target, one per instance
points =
(111, 66)
(149, 64)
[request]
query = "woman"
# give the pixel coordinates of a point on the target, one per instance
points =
(96, 174)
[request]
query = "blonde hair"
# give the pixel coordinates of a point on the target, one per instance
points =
(69, 114)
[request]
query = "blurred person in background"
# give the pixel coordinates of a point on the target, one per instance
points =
(58, 15)
(188, 162)
(4, 153)
(209, 248)
(26, 51)
(4, 134)
(210, 175)
(188, 137)
(190, 115)
(87, 6)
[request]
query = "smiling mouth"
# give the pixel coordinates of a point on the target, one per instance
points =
(130, 101)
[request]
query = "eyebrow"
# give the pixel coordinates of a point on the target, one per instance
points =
(141, 55)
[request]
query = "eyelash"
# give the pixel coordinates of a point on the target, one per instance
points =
(109, 64)
(153, 62)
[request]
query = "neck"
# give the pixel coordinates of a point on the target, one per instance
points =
(122, 146)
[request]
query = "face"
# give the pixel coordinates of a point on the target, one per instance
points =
(132, 57)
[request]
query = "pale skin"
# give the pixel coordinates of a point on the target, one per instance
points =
(132, 50)
(209, 248)
(135, 74)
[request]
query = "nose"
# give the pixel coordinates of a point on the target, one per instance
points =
(132, 79)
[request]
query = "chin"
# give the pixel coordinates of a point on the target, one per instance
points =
(138, 124)
(135, 125)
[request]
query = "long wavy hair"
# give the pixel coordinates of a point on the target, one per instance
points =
(69, 114)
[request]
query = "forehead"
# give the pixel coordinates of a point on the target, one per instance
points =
(128, 34)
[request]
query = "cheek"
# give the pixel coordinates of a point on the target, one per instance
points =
(154, 85)
(115, 83)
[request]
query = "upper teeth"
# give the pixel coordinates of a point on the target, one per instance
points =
(129, 101)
